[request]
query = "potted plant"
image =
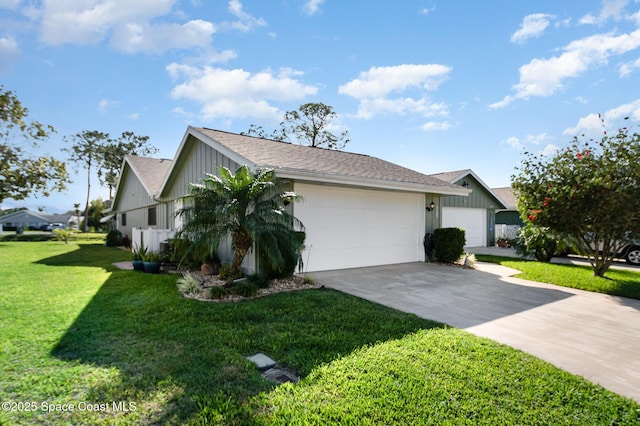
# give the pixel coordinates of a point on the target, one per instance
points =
(152, 261)
(137, 258)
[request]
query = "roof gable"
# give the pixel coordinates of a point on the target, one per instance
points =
(457, 175)
(150, 171)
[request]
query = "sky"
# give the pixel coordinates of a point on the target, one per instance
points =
(433, 85)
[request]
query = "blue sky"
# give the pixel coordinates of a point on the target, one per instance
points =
(433, 85)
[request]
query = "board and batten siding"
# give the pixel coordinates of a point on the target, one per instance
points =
(135, 202)
(199, 158)
(479, 198)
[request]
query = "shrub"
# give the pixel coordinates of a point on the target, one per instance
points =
(245, 288)
(62, 235)
(260, 280)
(139, 253)
(290, 254)
(308, 279)
(183, 253)
(217, 292)
(448, 244)
(114, 238)
(188, 284)
(225, 273)
(538, 242)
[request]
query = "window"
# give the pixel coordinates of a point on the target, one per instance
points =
(151, 216)
(123, 219)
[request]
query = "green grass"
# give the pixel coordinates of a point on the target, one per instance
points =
(75, 330)
(617, 282)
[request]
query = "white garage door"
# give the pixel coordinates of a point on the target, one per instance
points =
(349, 228)
(473, 221)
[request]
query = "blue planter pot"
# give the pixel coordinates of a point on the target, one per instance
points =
(138, 265)
(152, 267)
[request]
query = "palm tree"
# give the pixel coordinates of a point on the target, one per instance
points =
(247, 207)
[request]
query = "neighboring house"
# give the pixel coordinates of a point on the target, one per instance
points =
(27, 219)
(475, 213)
(508, 220)
(135, 200)
(357, 210)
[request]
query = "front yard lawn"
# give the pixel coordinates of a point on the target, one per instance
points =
(85, 343)
(617, 282)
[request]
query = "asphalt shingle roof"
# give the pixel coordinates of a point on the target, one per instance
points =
(150, 171)
(283, 155)
(506, 194)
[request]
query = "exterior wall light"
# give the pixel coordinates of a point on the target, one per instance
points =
(431, 206)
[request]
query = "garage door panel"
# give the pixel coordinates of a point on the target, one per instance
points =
(473, 221)
(349, 227)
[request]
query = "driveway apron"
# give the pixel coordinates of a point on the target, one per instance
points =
(593, 335)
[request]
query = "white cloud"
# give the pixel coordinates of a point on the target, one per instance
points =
(629, 67)
(105, 104)
(157, 38)
(427, 10)
(9, 51)
(134, 116)
(245, 23)
(381, 81)
(611, 9)
(549, 150)
(436, 125)
(128, 25)
(374, 89)
(593, 125)
(537, 139)
(532, 26)
(513, 142)
(311, 7)
(90, 21)
(544, 77)
(236, 92)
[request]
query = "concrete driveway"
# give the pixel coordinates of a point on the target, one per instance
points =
(589, 334)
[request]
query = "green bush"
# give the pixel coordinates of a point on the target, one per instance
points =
(538, 242)
(245, 288)
(448, 244)
(217, 292)
(62, 235)
(114, 238)
(260, 280)
(290, 254)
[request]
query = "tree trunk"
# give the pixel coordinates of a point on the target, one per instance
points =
(85, 225)
(242, 243)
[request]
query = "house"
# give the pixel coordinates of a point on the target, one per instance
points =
(139, 183)
(476, 213)
(357, 210)
(27, 219)
(508, 220)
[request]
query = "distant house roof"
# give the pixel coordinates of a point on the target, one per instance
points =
(506, 193)
(37, 216)
(457, 175)
(150, 171)
(319, 164)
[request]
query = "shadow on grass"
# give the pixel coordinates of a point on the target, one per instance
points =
(88, 254)
(184, 360)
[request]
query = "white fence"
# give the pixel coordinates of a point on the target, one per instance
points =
(506, 231)
(150, 238)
